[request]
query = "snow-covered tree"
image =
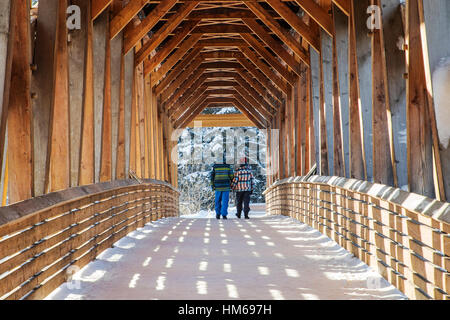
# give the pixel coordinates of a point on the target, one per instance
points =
(200, 148)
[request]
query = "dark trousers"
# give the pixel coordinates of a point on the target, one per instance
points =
(243, 200)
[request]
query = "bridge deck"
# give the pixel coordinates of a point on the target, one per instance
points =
(265, 258)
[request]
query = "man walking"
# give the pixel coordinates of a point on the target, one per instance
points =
(243, 185)
(221, 177)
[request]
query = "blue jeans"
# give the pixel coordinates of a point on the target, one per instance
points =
(222, 198)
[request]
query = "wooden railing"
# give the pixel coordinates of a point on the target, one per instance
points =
(403, 235)
(42, 237)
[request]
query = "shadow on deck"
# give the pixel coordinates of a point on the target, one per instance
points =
(268, 257)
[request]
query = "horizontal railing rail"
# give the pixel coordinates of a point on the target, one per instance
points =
(403, 235)
(41, 238)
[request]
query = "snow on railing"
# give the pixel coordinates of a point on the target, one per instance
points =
(43, 239)
(403, 235)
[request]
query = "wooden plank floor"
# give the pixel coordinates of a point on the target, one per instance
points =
(263, 258)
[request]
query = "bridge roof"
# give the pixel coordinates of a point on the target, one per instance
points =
(197, 52)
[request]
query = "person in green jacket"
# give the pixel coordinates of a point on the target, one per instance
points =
(221, 177)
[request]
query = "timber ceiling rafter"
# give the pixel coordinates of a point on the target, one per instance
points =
(197, 50)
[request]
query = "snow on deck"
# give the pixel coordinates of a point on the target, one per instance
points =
(270, 257)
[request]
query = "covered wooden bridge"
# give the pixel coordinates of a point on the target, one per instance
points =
(353, 95)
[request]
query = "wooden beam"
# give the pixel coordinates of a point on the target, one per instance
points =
(174, 58)
(7, 30)
(266, 94)
(192, 83)
(302, 123)
(106, 144)
(120, 156)
(261, 78)
(293, 20)
(20, 163)
(133, 125)
(168, 47)
(357, 163)
(179, 84)
(279, 82)
(338, 147)
(253, 115)
(344, 5)
(98, 6)
(189, 115)
(218, 100)
(58, 176)
(440, 164)
(86, 172)
(221, 65)
(270, 59)
(222, 120)
(383, 162)
(251, 100)
(220, 92)
(140, 87)
(222, 42)
(176, 71)
(120, 21)
(275, 46)
(183, 107)
(42, 86)
(266, 106)
(318, 14)
(220, 13)
(199, 80)
(166, 29)
(419, 138)
(147, 104)
(221, 29)
(134, 34)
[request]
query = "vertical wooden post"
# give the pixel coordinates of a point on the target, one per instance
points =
(339, 165)
(19, 112)
(146, 106)
(86, 172)
(302, 120)
(152, 136)
(58, 174)
(133, 145)
(120, 157)
(141, 117)
(357, 163)
(77, 59)
(106, 144)
(281, 144)
(420, 156)
(393, 29)
(137, 124)
(42, 86)
(324, 168)
(160, 144)
(268, 157)
(158, 151)
(6, 56)
(434, 27)
(310, 144)
(292, 118)
(383, 162)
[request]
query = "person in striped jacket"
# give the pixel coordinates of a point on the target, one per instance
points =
(243, 185)
(221, 177)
